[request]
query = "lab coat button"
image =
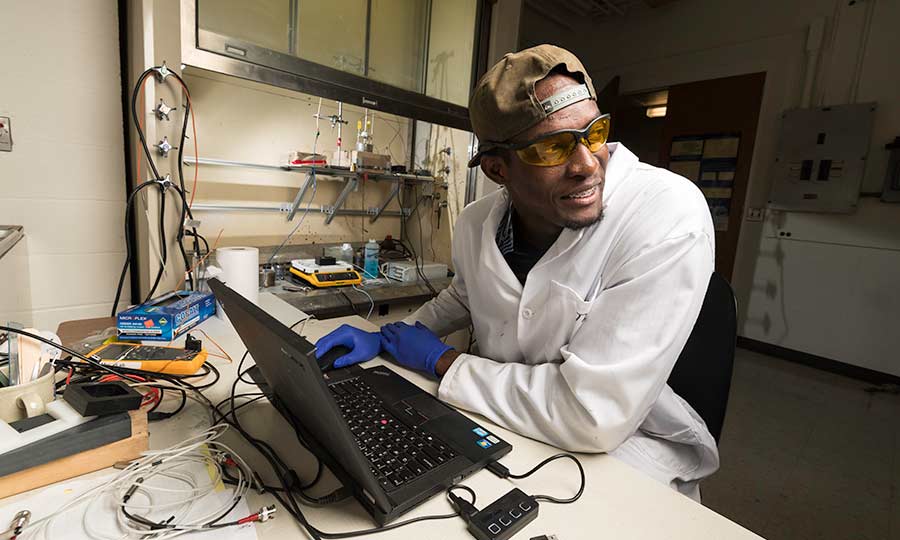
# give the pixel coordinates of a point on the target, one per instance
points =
(527, 313)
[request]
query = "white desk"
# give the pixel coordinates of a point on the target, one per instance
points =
(618, 502)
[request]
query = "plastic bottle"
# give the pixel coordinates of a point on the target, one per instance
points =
(371, 259)
(346, 254)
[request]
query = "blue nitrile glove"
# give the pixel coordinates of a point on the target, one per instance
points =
(365, 345)
(415, 347)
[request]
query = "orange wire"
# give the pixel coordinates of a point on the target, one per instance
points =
(227, 356)
(213, 248)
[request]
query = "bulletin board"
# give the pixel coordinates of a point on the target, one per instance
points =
(710, 162)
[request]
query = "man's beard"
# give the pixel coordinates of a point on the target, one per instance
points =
(575, 225)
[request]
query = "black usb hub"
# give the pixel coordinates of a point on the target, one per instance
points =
(504, 517)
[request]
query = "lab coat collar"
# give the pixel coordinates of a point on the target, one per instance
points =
(490, 254)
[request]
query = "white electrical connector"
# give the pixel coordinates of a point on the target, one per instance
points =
(266, 513)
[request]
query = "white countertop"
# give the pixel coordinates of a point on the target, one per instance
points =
(618, 502)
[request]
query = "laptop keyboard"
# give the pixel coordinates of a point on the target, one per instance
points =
(398, 453)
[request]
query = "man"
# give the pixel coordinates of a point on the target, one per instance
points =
(582, 277)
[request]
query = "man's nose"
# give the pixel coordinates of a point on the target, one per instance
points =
(582, 162)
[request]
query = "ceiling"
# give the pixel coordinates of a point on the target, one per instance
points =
(561, 11)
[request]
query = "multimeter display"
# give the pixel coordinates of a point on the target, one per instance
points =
(122, 351)
(151, 357)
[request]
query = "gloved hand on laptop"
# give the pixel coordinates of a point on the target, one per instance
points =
(415, 347)
(364, 345)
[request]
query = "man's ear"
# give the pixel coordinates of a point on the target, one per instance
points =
(495, 168)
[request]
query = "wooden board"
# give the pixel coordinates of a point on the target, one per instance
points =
(81, 463)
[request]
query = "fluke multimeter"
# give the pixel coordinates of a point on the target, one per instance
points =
(158, 358)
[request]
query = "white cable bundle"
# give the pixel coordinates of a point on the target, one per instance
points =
(134, 484)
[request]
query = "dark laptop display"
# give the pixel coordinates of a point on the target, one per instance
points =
(393, 444)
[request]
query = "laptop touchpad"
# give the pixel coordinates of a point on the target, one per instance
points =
(427, 406)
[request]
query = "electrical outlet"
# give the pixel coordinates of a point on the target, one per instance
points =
(5, 134)
(755, 213)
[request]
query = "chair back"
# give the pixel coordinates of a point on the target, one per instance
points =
(702, 373)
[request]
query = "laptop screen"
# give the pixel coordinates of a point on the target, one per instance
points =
(287, 362)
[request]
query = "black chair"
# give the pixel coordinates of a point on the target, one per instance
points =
(702, 373)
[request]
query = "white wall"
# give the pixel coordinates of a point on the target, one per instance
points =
(832, 291)
(64, 179)
(245, 121)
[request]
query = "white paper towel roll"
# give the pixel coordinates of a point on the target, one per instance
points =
(240, 270)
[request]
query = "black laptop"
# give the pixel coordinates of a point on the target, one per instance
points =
(387, 440)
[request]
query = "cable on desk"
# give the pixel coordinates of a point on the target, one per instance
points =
(502, 472)
(349, 301)
(371, 300)
(287, 478)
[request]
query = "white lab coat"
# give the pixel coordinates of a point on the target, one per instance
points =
(580, 355)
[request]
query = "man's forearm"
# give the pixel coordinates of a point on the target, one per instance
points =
(445, 361)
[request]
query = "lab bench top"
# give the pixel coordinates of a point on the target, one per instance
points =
(331, 302)
(618, 501)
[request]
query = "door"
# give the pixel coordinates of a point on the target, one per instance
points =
(716, 111)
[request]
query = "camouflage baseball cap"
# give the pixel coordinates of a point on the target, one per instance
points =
(503, 103)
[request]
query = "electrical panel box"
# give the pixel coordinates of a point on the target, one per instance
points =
(821, 158)
(891, 191)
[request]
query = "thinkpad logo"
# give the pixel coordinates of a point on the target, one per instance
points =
(383, 373)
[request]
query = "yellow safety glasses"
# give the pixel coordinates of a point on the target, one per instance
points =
(556, 148)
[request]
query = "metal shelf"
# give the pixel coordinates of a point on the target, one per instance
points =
(351, 179)
(283, 208)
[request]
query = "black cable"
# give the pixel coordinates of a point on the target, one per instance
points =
(134, 116)
(415, 257)
(156, 416)
(347, 298)
(157, 179)
(202, 239)
(278, 465)
(93, 362)
(185, 209)
(214, 524)
(139, 187)
(163, 249)
(242, 373)
(207, 369)
(466, 489)
(128, 247)
(375, 530)
(502, 472)
(284, 495)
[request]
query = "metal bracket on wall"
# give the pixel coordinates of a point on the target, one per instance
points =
(350, 186)
(394, 191)
(310, 177)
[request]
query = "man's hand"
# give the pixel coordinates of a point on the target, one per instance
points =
(415, 347)
(364, 345)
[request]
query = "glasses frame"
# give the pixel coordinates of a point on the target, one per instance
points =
(579, 135)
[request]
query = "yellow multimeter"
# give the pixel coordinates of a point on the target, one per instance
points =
(332, 275)
(158, 358)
